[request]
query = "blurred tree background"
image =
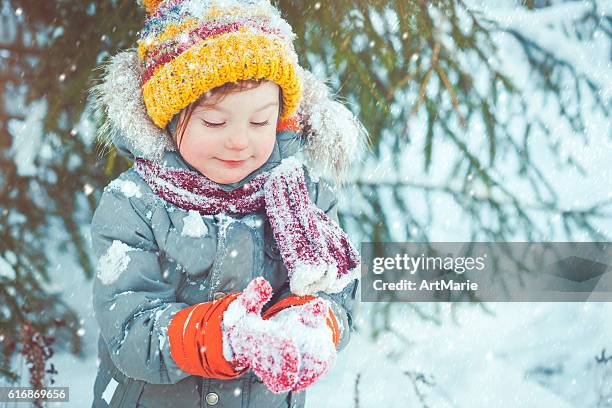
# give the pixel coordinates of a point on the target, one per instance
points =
(425, 77)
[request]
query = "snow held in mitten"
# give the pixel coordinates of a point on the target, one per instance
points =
(308, 327)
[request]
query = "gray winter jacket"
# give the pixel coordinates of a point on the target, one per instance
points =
(168, 271)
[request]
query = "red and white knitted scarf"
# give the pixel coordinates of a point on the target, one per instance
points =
(315, 250)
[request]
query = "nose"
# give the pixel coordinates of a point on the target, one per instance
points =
(237, 140)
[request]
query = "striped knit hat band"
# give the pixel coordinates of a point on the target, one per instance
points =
(189, 47)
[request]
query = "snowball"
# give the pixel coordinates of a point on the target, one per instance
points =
(193, 225)
(128, 188)
(114, 262)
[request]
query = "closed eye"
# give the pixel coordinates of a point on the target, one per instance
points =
(210, 124)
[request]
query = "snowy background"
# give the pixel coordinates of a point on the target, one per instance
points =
(497, 354)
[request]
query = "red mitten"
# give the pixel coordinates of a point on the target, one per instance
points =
(195, 339)
(223, 338)
(250, 341)
(310, 321)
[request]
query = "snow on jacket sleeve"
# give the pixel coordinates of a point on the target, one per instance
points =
(133, 303)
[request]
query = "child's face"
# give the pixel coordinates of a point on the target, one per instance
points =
(234, 137)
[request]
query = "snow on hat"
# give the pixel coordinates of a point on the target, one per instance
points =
(189, 47)
(136, 112)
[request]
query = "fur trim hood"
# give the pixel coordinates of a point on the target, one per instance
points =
(334, 137)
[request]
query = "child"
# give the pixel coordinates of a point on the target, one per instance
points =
(223, 278)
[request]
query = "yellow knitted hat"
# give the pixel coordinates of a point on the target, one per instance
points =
(189, 47)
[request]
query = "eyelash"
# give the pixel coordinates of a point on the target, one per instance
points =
(214, 125)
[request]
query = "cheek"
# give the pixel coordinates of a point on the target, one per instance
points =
(265, 143)
(197, 142)
(195, 148)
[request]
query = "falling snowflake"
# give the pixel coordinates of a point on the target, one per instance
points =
(88, 189)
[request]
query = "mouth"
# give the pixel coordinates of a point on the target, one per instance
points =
(232, 163)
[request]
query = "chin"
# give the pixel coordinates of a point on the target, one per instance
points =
(228, 179)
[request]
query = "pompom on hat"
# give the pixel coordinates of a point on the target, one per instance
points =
(190, 47)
